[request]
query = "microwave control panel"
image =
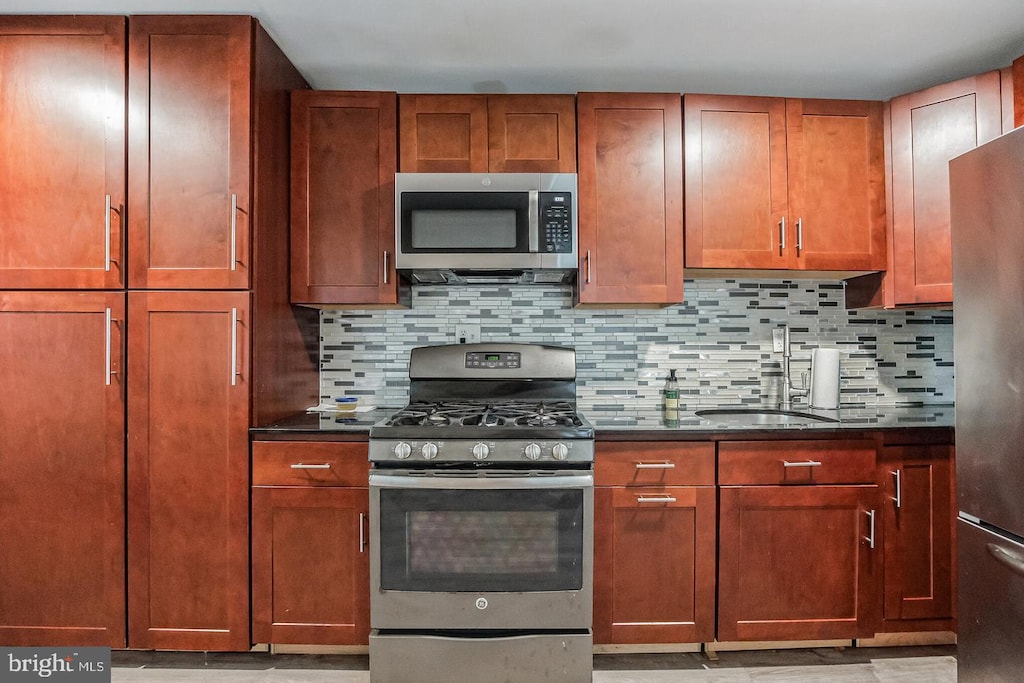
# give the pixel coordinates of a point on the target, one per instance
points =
(556, 222)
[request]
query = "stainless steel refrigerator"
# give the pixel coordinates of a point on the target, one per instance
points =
(987, 202)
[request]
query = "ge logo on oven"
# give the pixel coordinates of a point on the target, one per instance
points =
(481, 603)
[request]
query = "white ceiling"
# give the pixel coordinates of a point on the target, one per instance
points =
(802, 48)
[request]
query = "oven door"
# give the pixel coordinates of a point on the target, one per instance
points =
(511, 550)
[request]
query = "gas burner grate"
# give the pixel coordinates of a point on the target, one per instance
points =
(531, 414)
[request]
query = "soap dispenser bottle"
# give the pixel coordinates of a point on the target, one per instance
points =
(672, 391)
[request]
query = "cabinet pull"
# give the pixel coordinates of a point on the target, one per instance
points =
(385, 266)
(106, 246)
(234, 347)
(234, 230)
(587, 258)
(782, 235)
(108, 321)
(362, 534)
(655, 499)
(803, 463)
(899, 488)
(870, 538)
(311, 466)
(799, 235)
(1007, 557)
(655, 465)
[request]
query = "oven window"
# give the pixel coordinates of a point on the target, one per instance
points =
(474, 541)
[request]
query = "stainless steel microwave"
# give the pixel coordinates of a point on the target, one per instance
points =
(457, 228)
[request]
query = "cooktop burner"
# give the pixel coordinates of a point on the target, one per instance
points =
(455, 414)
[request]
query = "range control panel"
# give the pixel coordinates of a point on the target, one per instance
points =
(493, 359)
(556, 222)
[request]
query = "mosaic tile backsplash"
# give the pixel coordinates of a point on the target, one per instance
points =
(718, 340)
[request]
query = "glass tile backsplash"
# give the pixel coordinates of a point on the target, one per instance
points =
(719, 341)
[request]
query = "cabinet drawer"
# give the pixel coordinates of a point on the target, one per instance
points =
(654, 463)
(309, 463)
(796, 462)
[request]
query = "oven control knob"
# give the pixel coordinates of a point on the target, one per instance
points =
(532, 451)
(429, 451)
(560, 451)
(481, 451)
(402, 450)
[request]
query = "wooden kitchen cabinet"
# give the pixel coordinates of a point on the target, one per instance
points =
(800, 561)
(630, 194)
(919, 522)
(62, 469)
(343, 147)
(777, 183)
(487, 133)
(188, 470)
(310, 566)
(62, 152)
(654, 542)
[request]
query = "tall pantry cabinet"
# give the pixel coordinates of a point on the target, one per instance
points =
(210, 343)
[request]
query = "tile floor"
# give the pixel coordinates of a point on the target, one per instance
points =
(935, 664)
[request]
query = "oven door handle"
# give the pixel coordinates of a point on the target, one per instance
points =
(557, 481)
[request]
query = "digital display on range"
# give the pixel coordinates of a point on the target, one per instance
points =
(493, 360)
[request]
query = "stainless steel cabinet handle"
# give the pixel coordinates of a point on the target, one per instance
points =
(799, 235)
(870, 538)
(234, 230)
(311, 466)
(1007, 557)
(899, 488)
(782, 235)
(362, 534)
(534, 221)
(655, 499)
(385, 266)
(234, 346)
(106, 242)
(655, 465)
(108, 320)
(803, 463)
(588, 266)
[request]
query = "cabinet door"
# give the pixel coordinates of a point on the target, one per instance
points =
(188, 147)
(531, 133)
(343, 198)
(796, 562)
(62, 469)
(630, 187)
(654, 557)
(919, 520)
(736, 182)
(928, 129)
(310, 566)
(188, 470)
(62, 150)
(443, 133)
(836, 184)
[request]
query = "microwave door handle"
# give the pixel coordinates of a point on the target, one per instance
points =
(534, 221)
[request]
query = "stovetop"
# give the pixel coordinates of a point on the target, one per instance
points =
(541, 415)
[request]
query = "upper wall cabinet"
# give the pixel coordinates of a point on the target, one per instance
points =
(62, 152)
(343, 197)
(487, 133)
(929, 128)
(784, 184)
(189, 89)
(630, 198)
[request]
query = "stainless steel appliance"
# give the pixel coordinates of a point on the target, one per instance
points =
(459, 228)
(481, 521)
(987, 202)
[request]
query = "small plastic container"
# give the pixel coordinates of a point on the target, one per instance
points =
(346, 404)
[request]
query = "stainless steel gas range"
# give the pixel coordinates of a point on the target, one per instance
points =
(481, 518)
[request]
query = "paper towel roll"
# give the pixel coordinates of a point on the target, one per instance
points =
(824, 378)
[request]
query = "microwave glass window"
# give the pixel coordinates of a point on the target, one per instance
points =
(462, 229)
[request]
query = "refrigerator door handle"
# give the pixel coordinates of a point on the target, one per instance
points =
(1013, 560)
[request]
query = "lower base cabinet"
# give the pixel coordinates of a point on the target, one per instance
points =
(310, 566)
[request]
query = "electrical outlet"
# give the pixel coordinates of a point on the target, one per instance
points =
(779, 340)
(467, 334)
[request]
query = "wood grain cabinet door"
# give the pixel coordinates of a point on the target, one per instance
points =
(188, 470)
(442, 133)
(654, 556)
(189, 84)
(310, 572)
(62, 152)
(836, 184)
(797, 562)
(929, 128)
(343, 198)
(736, 182)
(630, 205)
(531, 133)
(62, 469)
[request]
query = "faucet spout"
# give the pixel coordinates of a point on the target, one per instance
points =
(789, 392)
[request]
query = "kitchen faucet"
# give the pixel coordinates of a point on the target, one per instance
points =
(789, 392)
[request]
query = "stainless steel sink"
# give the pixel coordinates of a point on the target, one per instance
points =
(762, 416)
